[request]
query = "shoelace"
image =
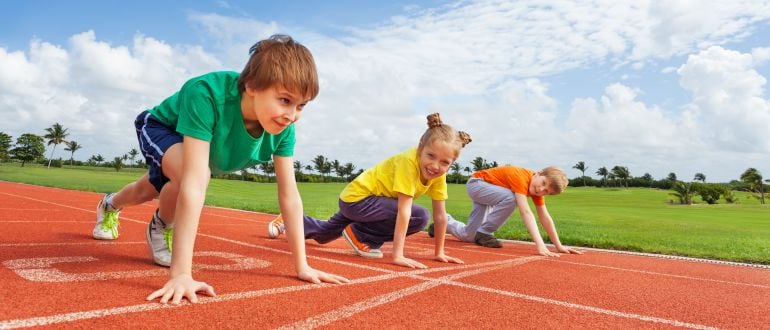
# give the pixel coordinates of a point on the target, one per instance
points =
(111, 222)
(168, 236)
(278, 224)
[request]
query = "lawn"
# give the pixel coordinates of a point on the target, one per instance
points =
(635, 219)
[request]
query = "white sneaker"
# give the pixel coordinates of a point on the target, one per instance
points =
(106, 220)
(275, 228)
(159, 238)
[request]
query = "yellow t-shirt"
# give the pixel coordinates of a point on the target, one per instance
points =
(397, 174)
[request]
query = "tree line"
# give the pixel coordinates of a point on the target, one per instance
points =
(750, 180)
(30, 147)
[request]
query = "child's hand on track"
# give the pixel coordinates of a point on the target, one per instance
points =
(446, 258)
(546, 252)
(316, 276)
(567, 250)
(179, 287)
(406, 262)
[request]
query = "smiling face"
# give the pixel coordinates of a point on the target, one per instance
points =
(539, 186)
(273, 109)
(435, 159)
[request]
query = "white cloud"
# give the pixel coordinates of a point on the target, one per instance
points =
(728, 93)
(486, 66)
(92, 88)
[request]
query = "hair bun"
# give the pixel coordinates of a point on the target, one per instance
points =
(464, 137)
(434, 120)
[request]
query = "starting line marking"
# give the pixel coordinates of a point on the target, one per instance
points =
(42, 270)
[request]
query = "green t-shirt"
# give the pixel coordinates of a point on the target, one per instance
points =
(397, 174)
(209, 108)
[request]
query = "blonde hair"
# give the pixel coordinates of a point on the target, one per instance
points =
(279, 60)
(437, 130)
(557, 179)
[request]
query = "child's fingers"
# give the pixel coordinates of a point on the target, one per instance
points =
(178, 295)
(155, 294)
(192, 297)
(166, 296)
(209, 290)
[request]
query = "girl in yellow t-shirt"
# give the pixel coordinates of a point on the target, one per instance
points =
(378, 206)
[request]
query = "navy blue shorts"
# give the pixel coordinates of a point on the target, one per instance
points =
(154, 139)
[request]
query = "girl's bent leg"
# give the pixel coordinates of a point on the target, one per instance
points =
(375, 219)
(325, 231)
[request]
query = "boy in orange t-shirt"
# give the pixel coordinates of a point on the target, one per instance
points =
(496, 193)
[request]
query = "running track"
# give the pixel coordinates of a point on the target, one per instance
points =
(54, 274)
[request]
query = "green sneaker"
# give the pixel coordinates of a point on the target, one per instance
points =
(106, 220)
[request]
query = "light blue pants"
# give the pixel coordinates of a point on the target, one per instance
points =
(492, 205)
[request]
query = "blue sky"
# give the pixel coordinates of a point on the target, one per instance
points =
(657, 87)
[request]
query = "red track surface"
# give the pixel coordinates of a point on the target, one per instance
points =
(54, 274)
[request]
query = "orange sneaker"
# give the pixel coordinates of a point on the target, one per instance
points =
(275, 228)
(361, 249)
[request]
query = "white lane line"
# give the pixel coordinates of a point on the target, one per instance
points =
(662, 274)
(77, 316)
(626, 269)
(584, 307)
(365, 305)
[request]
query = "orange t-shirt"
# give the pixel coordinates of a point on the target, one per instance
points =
(516, 179)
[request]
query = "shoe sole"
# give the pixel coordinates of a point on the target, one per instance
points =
(358, 251)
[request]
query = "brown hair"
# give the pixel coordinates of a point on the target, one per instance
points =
(557, 180)
(437, 130)
(279, 60)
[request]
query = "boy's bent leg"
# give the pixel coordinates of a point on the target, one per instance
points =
(500, 202)
(108, 210)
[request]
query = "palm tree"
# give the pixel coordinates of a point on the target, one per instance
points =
(683, 191)
(56, 135)
(478, 164)
(602, 171)
(753, 178)
(319, 163)
(337, 167)
(132, 154)
(72, 146)
(298, 166)
(455, 167)
(581, 166)
(622, 173)
(699, 177)
(347, 171)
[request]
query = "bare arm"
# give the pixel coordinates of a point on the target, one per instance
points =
(529, 221)
(399, 234)
(192, 193)
(290, 204)
(550, 228)
(440, 223)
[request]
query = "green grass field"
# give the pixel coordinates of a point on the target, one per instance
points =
(623, 219)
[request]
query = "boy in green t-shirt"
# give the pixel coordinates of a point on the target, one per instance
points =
(219, 122)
